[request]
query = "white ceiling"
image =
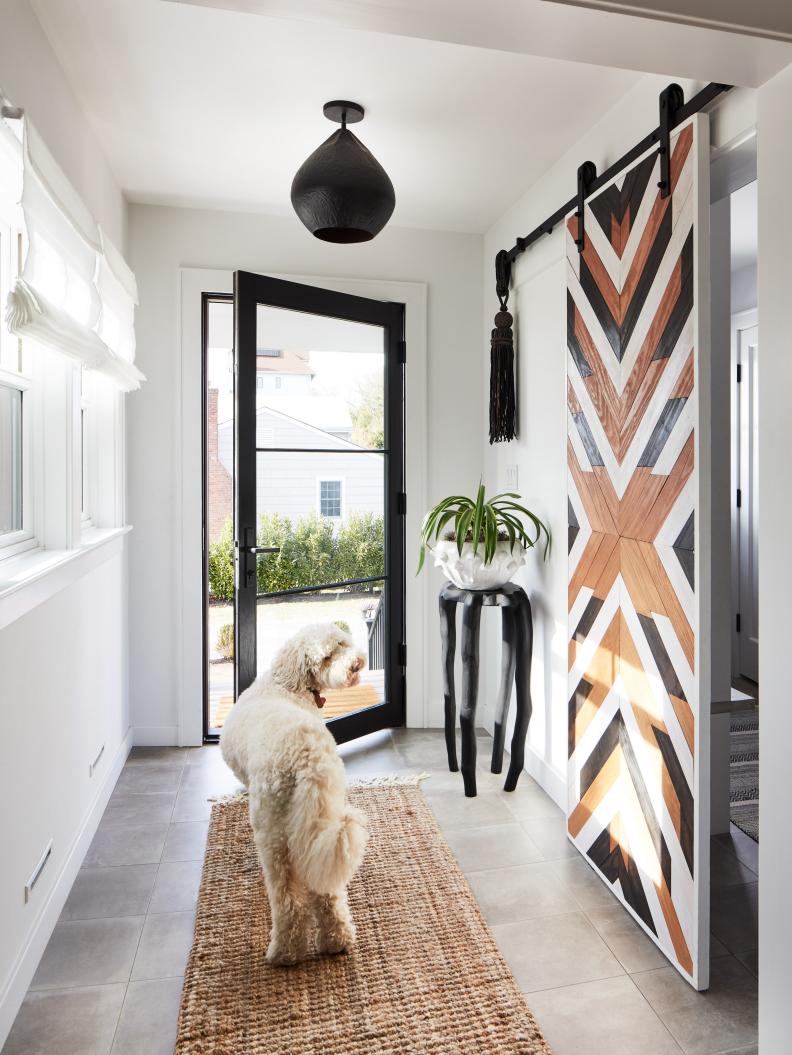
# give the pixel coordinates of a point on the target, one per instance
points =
(619, 35)
(768, 18)
(217, 108)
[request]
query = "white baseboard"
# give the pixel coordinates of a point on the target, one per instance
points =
(548, 779)
(29, 956)
(155, 736)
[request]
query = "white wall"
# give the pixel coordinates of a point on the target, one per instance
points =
(64, 682)
(743, 288)
(538, 294)
(31, 77)
(161, 240)
(64, 697)
(775, 569)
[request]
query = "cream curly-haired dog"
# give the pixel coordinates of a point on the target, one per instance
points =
(310, 841)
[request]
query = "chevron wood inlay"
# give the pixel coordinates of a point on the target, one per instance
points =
(632, 412)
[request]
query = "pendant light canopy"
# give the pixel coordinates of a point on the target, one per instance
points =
(341, 192)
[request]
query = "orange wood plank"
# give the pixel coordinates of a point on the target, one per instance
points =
(684, 385)
(599, 386)
(656, 515)
(609, 572)
(649, 865)
(679, 154)
(580, 574)
(687, 722)
(597, 511)
(638, 579)
(601, 674)
(603, 281)
(605, 779)
(639, 400)
(673, 609)
(642, 492)
(643, 250)
(620, 232)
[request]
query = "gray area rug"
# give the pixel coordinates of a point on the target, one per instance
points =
(744, 776)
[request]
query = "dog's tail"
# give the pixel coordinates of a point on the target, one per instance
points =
(327, 836)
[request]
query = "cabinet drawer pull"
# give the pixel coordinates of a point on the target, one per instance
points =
(37, 872)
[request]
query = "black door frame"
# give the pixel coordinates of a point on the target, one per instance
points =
(250, 290)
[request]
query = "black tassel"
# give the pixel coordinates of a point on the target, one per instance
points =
(502, 396)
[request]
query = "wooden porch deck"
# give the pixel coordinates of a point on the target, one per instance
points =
(338, 701)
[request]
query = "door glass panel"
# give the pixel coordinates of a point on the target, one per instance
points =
(360, 611)
(319, 381)
(325, 512)
(320, 487)
(219, 509)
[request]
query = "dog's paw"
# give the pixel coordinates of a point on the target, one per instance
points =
(278, 956)
(339, 939)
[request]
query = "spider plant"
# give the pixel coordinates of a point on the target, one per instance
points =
(482, 522)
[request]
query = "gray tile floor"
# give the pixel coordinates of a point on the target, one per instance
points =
(110, 980)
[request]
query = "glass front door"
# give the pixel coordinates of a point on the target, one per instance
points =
(318, 485)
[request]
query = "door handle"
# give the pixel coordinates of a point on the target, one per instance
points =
(262, 549)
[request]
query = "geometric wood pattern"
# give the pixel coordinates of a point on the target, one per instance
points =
(632, 411)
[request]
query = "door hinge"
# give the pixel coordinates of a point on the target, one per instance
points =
(739, 498)
(402, 654)
(737, 622)
(739, 373)
(401, 503)
(402, 351)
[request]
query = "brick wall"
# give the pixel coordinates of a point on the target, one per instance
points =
(219, 484)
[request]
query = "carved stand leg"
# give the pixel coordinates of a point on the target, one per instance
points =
(509, 620)
(448, 640)
(471, 619)
(523, 693)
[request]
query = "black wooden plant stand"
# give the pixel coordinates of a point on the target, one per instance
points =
(517, 647)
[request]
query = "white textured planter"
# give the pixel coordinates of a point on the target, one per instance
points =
(469, 572)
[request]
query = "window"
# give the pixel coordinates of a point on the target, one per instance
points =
(10, 460)
(16, 525)
(278, 381)
(259, 381)
(330, 499)
(269, 353)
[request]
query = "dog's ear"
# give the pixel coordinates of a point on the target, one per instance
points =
(298, 663)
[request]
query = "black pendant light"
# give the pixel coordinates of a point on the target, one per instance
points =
(341, 192)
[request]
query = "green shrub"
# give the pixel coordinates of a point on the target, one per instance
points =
(311, 552)
(360, 547)
(225, 641)
(221, 565)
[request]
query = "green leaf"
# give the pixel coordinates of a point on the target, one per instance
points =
(462, 525)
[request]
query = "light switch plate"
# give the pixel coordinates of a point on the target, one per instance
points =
(512, 477)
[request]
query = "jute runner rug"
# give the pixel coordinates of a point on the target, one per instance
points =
(425, 978)
(744, 772)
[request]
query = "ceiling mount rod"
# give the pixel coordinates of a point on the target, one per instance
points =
(680, 114)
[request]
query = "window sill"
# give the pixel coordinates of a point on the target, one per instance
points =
(33, 577)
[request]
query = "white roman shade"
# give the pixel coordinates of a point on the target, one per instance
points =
(10, 171)
(75, 295)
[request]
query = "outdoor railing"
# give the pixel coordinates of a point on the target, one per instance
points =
(376, 637)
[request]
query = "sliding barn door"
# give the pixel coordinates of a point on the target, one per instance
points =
(637, 385)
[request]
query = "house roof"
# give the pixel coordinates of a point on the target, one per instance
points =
(286, 362)
(322, 412)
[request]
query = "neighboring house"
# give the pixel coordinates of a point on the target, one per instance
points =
(297, 482)
(279, 370)
(219, 481)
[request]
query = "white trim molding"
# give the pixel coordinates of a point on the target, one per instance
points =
(195, 282)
